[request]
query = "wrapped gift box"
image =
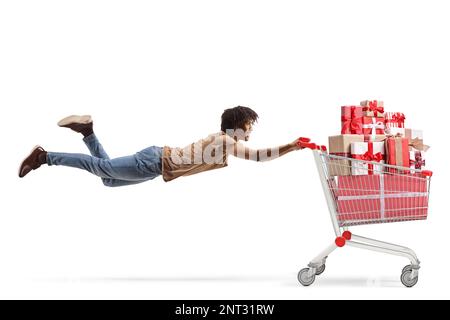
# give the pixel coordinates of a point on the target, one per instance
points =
(367, 151)
(381, 198)
(340, 146)
(397, 152)
(416, 159)
(351, 120)
(415, 140)
(394, 123)
(413, 133)
(373, 126)
(399, 132)
(406, 196)
(374, 108)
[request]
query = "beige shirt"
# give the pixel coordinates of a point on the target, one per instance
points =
(208, 154)
(203, 155)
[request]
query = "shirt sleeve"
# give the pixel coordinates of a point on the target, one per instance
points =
(238, 150)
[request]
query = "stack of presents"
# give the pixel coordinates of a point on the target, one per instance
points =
(368, 133)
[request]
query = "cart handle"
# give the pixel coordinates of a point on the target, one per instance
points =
(427, 173)
(303, 142)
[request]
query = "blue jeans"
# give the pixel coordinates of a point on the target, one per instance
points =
(142, 166)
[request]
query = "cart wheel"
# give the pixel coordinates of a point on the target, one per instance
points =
(406, 279)
(407, 268)
(304, 278)
(320, 270)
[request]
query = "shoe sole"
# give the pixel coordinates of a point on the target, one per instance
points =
(75, 119)
(32, 150)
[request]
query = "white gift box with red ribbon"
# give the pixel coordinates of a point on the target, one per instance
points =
(367, 151)
(394, 123)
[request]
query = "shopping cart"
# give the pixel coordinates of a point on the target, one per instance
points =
(379, 193)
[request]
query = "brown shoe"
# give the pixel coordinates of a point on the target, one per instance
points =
(35, 159)
(81, 124)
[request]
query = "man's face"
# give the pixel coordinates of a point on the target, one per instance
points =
(244, 133)
(248, 130)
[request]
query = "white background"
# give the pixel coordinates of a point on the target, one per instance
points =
(161, 73)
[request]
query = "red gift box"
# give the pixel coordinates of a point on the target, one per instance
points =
(381, 198)
(406, 196)
(373, 126)
(397, 152)
(351, 120)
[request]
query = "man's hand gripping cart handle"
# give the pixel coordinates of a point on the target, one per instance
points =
(306, 143)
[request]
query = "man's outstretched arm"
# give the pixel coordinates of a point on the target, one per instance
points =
(237, 149)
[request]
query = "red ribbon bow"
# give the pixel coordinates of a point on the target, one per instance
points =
(398, 117)
(369, 156)
(419, 162)
(373, 106)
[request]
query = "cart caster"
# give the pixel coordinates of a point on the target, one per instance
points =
(304, 278)
(320, 270)
(406, 277)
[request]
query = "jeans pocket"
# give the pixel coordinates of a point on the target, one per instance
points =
(149, 161)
